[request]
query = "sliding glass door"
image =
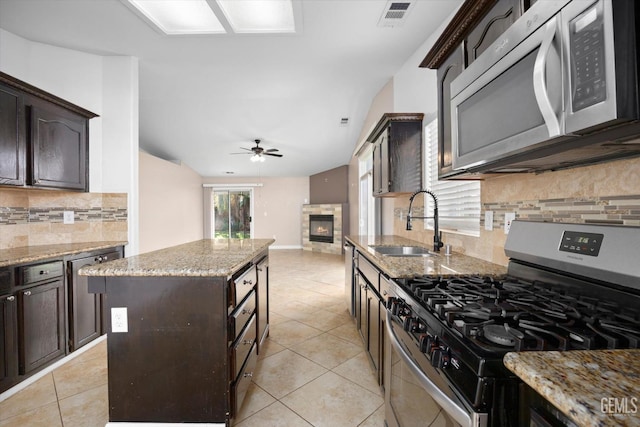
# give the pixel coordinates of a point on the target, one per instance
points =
(231, 214)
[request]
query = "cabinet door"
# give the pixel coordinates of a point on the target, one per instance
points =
(42, 319)
(263, 302)
(12, 137)
(59, 149)
(405, 156)
(374, 328)
(494, 23)
(447, 72)
(8, 341)
(363, 307)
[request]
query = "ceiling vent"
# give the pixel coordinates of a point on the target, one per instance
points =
(395, 13)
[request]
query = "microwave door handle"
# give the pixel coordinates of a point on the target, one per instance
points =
(540, 80)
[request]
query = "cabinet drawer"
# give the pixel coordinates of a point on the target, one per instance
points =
(242, 285)
(241, 385)
(38, 273)
(242, 346)
(370, 272)
(238, 319)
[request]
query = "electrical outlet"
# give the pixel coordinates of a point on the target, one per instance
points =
(67, 217)
(508, 218)
(488, 220)
(119, 321)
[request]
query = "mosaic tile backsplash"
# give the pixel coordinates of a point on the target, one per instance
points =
(32, 217)
(612, 210)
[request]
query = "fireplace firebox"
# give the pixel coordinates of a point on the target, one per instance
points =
(321, 228)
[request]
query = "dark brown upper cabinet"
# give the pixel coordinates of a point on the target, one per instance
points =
(12, 136)
(44, 140)
(499, 18)
(447, 72)
(397, 154)
(59, 152)
(476, 25)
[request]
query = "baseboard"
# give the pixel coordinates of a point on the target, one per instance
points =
(285, 247)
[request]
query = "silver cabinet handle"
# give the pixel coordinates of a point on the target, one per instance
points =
(245, 311)
(11, 298)
(247, 342)
(27, 293)
(247, 282)
(44, 272)
(248, 375)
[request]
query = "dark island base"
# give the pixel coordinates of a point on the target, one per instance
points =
(172, 364)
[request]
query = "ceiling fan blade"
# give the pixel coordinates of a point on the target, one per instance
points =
(272, 154)
(240, 153)
(248, 149)
(271, 150)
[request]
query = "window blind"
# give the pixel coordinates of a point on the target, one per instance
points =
(458, 201)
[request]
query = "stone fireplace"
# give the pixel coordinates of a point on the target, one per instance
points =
(322, 227)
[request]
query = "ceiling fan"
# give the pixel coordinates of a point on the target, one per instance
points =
(258, 152)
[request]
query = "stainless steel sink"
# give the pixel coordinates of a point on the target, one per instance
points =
(402, 250)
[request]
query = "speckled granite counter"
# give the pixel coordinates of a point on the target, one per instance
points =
(28, 254)
(438, 264)
(576, 382)
(202, 258)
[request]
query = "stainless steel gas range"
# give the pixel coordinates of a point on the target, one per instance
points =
(568, 287)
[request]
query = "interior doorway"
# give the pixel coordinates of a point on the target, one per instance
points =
(231, 213)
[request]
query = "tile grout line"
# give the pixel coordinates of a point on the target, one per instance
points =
(55, 389)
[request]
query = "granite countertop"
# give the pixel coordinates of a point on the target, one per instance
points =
(439, 264)
(202, 258)
(592, 387)
(28, 254)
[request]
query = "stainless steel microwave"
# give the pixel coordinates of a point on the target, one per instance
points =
(558, 88)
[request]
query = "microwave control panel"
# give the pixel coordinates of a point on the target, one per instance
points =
(586, 36)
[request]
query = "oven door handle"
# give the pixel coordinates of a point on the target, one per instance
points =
(457, 412)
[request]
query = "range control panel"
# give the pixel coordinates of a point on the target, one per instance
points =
(581, 243)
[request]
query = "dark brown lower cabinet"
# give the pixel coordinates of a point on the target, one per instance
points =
(41, 312)
(8, 341)
(85, 308)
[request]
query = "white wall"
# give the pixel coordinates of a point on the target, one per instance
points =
(170, 203)
(107, 86)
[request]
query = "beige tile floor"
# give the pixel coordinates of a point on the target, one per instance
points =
(313, 371)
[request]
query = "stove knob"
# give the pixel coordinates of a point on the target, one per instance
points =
(440, 358)
(425, 341)
(409, 324)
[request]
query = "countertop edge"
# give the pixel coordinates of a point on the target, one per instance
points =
(576, 381)
(31, 254)
(438, 264)
(156, 263)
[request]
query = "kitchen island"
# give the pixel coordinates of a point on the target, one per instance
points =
(184, 329)
(593, 388)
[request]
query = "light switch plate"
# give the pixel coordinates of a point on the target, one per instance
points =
(119, 321)
(488, 220)
(67, 217)
(508, 218)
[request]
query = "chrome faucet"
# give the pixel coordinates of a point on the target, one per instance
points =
(437, 235)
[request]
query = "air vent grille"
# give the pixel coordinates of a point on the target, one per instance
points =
(395, 13)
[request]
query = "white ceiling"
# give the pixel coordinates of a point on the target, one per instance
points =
(204, 97)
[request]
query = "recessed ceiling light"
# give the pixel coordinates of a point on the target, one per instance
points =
(174, 17)
(259, 16)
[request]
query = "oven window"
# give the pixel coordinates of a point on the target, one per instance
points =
(411, 404)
